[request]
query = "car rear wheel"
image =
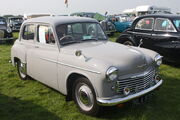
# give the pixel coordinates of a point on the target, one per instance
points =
(21, 70)
(84, 97)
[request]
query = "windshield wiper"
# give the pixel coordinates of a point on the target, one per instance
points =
(69, 42)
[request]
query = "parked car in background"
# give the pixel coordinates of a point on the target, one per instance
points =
(35, 15)
(5, 32)
(73, 55)
(107, 26)
(121, 22)
(160, 33)
(96, 16)
(15, 23)
(146, 10)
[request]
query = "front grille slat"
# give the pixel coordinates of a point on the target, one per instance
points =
(136, 84)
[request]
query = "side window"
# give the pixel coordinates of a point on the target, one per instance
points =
(45, 35)
(163, 24)
(28, 32)
(145, 24)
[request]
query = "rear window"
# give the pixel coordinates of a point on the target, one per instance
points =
(163, 24)
(177, 23)
(28, 32)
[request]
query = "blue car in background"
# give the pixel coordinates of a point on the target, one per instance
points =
(121, 22)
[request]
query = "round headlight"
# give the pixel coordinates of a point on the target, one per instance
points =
(9, 30)
(112, 74)
(158, 60)
(109, 23)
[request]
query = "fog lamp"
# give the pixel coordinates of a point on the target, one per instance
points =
(157, 78)
(126, 90)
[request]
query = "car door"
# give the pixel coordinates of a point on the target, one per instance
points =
(26, 42)
(163, 35)
(143, 31)
(44, 57)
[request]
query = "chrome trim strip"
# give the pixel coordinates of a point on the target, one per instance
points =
(139, 33)
(164, 35)
(111, 102)
(72, 66)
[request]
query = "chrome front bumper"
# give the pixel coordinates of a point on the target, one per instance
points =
(115, 101)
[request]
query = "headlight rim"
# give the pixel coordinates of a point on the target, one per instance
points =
(158, 58)
(9, 30)
(111, 70)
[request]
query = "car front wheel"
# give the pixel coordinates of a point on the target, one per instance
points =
(84, 97)
(21, 70)
(128, 42)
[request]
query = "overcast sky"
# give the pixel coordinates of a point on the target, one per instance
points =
(58, 6)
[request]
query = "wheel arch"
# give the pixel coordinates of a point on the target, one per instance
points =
(71, 80)
(15, 60)
(126, 37)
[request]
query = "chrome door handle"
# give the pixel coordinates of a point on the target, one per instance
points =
(36, 46)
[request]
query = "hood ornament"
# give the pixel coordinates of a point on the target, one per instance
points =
(140, 43)
(141, 66)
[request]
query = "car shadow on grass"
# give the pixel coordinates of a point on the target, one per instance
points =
(12, 108)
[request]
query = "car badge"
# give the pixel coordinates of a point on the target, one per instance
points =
(126, 90)
(141, 66)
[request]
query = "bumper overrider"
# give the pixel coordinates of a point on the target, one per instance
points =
(117, 100)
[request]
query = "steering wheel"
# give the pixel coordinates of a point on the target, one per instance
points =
(67, 37)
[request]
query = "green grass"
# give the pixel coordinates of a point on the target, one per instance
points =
(31, 100)
(15, 35)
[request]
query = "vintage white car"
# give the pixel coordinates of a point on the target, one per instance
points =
(73, 55)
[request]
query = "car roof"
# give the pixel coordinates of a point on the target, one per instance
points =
(162, 15)
(57, 20)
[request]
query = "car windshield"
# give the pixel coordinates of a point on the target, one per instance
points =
(177, 23)
(79, 32)
(2, 22)
(16, 20)
(124, 19)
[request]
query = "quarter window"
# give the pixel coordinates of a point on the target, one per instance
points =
(45, 35)
(145, 24)
(163, 24)
(29, 32)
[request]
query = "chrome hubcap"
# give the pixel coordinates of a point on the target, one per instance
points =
(84, 97)
(22, 70)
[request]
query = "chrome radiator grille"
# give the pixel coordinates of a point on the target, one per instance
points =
(1, 34)
(136, 84)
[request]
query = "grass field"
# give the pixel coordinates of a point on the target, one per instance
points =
(31, 100)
